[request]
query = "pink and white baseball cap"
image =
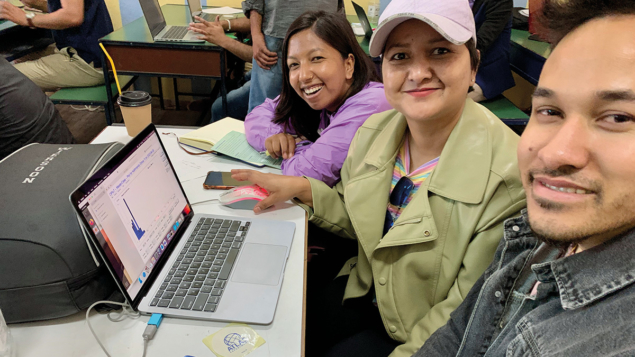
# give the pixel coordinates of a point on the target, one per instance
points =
(453, 19)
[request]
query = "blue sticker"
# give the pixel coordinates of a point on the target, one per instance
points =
(234, 341)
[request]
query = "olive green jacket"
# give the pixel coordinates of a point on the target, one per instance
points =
(443, 240)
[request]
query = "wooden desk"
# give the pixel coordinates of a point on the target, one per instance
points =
(17, 41)
(135, 53)
(70, 337)
(527, 56)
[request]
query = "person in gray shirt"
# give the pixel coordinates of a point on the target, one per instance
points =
(269, 20)
(27, 115)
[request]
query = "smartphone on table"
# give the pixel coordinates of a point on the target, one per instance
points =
(222, 180)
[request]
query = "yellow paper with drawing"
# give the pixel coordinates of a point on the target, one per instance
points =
(235, 340)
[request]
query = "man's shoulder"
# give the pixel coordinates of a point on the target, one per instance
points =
(603, 328)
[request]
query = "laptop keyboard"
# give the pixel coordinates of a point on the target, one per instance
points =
(198, 278)
(207, 17)
(175, 33)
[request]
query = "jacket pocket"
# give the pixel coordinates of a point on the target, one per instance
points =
(412, 230)
(409, 221)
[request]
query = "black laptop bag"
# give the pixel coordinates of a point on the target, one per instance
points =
(48, 267)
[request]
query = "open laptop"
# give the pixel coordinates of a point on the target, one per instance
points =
(158, 28)
(166, 259)
(197, 10)
(363, 20)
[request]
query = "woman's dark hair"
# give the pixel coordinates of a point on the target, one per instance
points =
(334, 29)
(475, 59)
(561, 17)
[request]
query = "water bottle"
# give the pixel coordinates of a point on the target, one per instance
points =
(6, 343)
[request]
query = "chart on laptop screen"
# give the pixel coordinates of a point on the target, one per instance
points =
(136, 210)
(144, 201)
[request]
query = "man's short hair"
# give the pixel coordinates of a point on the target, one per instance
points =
(560, 17)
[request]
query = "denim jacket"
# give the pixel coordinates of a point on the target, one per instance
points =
(584, 306)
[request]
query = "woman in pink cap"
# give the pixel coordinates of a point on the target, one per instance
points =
(425, 189)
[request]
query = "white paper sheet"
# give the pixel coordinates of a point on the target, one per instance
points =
(225, 10)
(357, 29)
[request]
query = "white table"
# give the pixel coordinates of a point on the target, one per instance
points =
(70, 336)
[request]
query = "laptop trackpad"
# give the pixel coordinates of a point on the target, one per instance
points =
(260, 264)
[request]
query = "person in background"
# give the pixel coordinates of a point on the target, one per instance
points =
(425, 190)
(269, 21)
(27, 115)
(77, 25)
(215, 32)
(330, 88)
(493, 34)
(562, 281)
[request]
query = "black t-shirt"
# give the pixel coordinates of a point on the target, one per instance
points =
(26, 114)
(85, 38)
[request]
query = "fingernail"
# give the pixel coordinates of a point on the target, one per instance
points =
(257, 209)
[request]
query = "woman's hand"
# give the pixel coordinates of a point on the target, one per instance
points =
(281, 145)
(280, 188)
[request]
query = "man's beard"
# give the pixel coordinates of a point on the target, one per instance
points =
(563, 240)
(561, 243)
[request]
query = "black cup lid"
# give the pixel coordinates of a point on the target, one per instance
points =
(135, 98)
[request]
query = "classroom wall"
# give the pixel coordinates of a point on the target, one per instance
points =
(115, 12)
(131, 9)
(124, 11)
(236, 3)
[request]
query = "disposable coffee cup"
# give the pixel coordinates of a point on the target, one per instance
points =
(136, 109)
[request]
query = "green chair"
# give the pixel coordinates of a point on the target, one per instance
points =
(96, 95)
(513, 117)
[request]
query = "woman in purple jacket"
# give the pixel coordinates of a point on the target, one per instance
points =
(330, 88)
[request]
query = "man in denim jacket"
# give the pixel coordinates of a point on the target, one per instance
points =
(562, 279)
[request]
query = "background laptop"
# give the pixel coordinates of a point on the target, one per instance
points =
(158, 28)
(197, 10)
(363, 19)
(166, 259)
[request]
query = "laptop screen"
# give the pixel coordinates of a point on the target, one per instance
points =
(134, 206)
(195, 6)
(363, 20)
(154, 16)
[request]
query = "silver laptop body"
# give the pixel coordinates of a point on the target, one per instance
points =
(166, 259)
(197, 10)
(160, 30)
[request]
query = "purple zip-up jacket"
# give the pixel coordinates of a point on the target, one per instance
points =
(323, 159)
